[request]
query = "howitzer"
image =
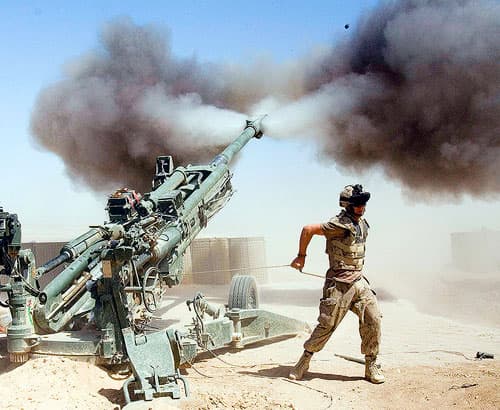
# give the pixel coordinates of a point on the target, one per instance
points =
(116, 274)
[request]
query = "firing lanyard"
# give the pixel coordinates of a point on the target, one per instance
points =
(250, 268)
(239, 269)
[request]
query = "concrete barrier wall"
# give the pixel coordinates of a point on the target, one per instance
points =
(249, 253)
(210, 261)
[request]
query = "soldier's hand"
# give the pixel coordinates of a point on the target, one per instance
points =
(298, 263)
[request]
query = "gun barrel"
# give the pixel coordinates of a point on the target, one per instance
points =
(179, 176)
(52, 264)
(72, 249)
(252, 129)
(219, 171)
(68, 275)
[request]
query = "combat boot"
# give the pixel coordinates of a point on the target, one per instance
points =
(301, 367)
(373, 373)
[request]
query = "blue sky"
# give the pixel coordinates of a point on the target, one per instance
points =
(280, 184)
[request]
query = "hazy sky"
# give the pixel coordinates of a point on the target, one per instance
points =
(281, 185)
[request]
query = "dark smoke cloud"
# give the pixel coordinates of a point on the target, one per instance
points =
(119, 107)
(415, 91)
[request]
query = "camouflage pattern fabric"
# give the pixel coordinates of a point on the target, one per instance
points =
(338, 299)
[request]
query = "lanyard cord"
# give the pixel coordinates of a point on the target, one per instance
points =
(238, 269)
(250, 268)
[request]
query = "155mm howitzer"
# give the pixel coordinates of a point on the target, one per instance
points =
(117, 273)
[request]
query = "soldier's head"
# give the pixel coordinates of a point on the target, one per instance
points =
(354, 199)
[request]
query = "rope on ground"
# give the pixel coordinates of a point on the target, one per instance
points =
(200, 373)
(325, 394)
(463, 386)
(191, 365)
(120, 375)
(216, 356)
(432, 351)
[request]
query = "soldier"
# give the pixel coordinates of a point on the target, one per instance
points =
(345, 287)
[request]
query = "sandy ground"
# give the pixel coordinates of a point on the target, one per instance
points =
(427, 359)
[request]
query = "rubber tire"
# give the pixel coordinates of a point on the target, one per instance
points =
(243, 293)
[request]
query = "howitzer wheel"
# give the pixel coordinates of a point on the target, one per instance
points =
(243, 293)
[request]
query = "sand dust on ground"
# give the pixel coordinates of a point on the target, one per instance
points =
(428, 362)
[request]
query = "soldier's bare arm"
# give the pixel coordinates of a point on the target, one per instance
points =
(307, 233)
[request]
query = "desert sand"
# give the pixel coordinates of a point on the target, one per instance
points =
(428, 361)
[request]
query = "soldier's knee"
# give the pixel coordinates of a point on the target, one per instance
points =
(327, 309)
(372, 316)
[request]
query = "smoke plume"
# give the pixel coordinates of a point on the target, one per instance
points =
(414, 91)
(120, 106)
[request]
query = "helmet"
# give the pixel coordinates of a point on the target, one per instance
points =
(353, 195)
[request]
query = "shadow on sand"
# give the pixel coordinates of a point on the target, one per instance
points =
(206, 355)
(283, 372)
(114, 396)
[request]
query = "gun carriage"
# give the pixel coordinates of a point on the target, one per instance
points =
(116, 274)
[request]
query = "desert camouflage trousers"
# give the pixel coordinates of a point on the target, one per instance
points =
(338, 299)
